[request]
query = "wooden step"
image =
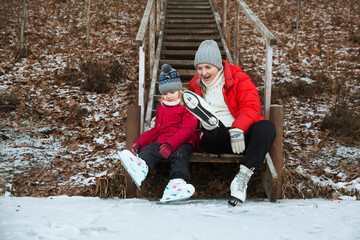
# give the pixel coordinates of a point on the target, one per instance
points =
(178, 64)
(189, 7)
(187, 4)
(191, 38)
(189, 21)
(188, 1)
(189, 26)
(184, 45)
(191, 16)
(190, 11)
(191, 31)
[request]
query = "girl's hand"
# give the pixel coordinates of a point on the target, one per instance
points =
(165, 150)
(135, 149)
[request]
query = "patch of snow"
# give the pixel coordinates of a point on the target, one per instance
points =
(80, 218)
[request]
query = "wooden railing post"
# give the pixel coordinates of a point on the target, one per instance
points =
(132, 133)
(224, 17)
(141, 100)
(152, 29)
(158, 11)
(236, 35)
(148, 19)
(268, 80)
(276, 152)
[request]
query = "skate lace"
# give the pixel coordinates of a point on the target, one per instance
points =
(242, 178)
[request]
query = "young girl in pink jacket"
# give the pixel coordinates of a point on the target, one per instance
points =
(173, 137)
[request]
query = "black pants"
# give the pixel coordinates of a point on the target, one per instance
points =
(179, 159)
(258, 141)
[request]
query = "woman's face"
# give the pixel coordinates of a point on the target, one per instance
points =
(171, 96)
(207, 72)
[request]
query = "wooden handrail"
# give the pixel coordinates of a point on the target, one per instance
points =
(152, 89)
(148, 26)
(265, 33)
(140, 37)
(223, 39)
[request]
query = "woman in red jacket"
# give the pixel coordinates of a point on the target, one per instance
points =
(173, 137)
(227, 104)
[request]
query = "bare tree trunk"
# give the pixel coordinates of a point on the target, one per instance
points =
(297, 24)
(23, 18)
(88, 23)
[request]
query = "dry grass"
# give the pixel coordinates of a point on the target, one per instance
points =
(112, 185)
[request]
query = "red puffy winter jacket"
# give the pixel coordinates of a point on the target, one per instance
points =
(174, 125)
(240, 96)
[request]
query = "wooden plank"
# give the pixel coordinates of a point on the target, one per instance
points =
(188, 45)
(132, 133)
(191, 31)
(191, 16)
(189, 26)
(270, 179)
(170, 3)
(182, 52)
(178, 63)
(215, 158)
(184, 73)
(189, 11)
(268, 77)
(236, 35)
(188, 6)
(192, 38)
(276, 151)
(188, 1)
(190, 21)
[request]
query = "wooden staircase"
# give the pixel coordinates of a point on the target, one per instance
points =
(184, 24)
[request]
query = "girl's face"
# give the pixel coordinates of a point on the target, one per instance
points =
(171, 96)
(207, 72)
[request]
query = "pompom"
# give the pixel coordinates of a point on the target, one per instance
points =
(166, 68)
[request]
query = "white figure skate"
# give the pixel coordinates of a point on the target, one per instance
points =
(177, 190)
(239, 184)
(135, 166)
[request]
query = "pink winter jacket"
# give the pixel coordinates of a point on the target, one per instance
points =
(240, 96)
(174, 125)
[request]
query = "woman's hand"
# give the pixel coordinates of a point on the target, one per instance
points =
(237, 140)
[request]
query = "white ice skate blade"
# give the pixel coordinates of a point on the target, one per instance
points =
(125, 160)
(199, 108)
(174, 196)
(191, 101)
(176, 202)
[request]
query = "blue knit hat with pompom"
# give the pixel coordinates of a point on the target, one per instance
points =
(169, 79)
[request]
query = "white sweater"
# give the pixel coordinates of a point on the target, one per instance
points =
(215, 98)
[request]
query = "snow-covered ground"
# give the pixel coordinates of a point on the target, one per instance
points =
(79, 218)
